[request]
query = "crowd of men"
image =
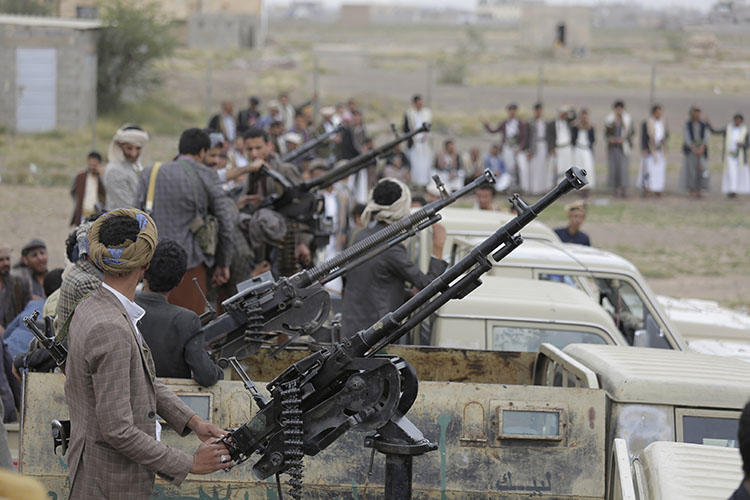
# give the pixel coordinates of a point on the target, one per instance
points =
(215, 214)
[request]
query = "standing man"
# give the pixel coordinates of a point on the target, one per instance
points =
(583, 138)
(485, 196)
(124, 167)
(695, 149)
(248, 117)
(743, 437)
(514, 145)
(190, 208)
(420, 153)
(654, 135)
(539, 174)
(114, 451)
(88, 189)
(173, 333)
(286, 111)
(560, 141)
(576, 213)
(376, 287)
(736, 178)
(619, 133)
(14, 292)
(33, 267)
(224, 121)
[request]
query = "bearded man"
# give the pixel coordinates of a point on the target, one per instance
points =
(124, 167)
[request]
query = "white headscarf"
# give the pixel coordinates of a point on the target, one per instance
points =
(125, 135)
(390, 214)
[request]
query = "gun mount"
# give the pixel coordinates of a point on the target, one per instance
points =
(298, 305)
(349, 386)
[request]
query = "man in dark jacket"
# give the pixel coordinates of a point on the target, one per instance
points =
(377, 286)
(88, 189)
(743, 492)
(186, 194)
(172, 332)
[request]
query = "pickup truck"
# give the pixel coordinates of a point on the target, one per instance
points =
(678, 321)
(507, 425)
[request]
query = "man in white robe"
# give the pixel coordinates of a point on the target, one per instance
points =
(540, 178)
(560, 142)
(736, 178)
(420, 152)
(654, 135)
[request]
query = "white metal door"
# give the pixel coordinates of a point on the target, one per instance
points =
(36, 84)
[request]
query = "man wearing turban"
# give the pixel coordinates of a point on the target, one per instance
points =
(124, 167)
(110, 386)
(376, 287)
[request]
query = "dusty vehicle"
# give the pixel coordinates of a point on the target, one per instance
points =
(674, 470)
(612, 281)
(518, 315)
(507, 425)
(624, 292)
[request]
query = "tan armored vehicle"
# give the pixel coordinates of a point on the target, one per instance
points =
(507, 425)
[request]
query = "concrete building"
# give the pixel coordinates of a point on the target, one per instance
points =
(564, 28)
(505, 12)
(355, 15)
(218, 24)
(48, 79)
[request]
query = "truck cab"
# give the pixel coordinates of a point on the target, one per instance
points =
(507, 425)
(518, 315)
(614, 282)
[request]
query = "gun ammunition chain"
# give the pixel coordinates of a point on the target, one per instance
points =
(291, 420)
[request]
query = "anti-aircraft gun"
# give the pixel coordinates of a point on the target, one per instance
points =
(310, 145)
(299, 305)
(351, 386)
(302, 205)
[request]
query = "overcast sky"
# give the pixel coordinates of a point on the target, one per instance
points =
(698, 4)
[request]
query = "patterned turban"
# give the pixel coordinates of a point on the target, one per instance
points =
(130, 255)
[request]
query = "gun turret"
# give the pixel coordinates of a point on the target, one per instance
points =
(349, 386)
(310, 145)
(47, 338)
(299, 305)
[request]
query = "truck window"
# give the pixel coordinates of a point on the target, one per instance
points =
(522, 339)
(561, 278)
(714, 431)
(622, 302)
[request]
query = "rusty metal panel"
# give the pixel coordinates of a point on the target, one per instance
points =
(457, 416)
(431, 364)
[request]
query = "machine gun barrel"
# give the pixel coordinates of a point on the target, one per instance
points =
(355, 164)
(386, 328)
(310, 145)
(55, 349)
(392, 231)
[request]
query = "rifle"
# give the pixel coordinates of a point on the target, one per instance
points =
(310, 145)
(299, 305)
(47, 338)
(349, 386)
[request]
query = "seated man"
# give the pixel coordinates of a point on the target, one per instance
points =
(172, 332)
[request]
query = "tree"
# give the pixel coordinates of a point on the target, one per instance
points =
(133, 38)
